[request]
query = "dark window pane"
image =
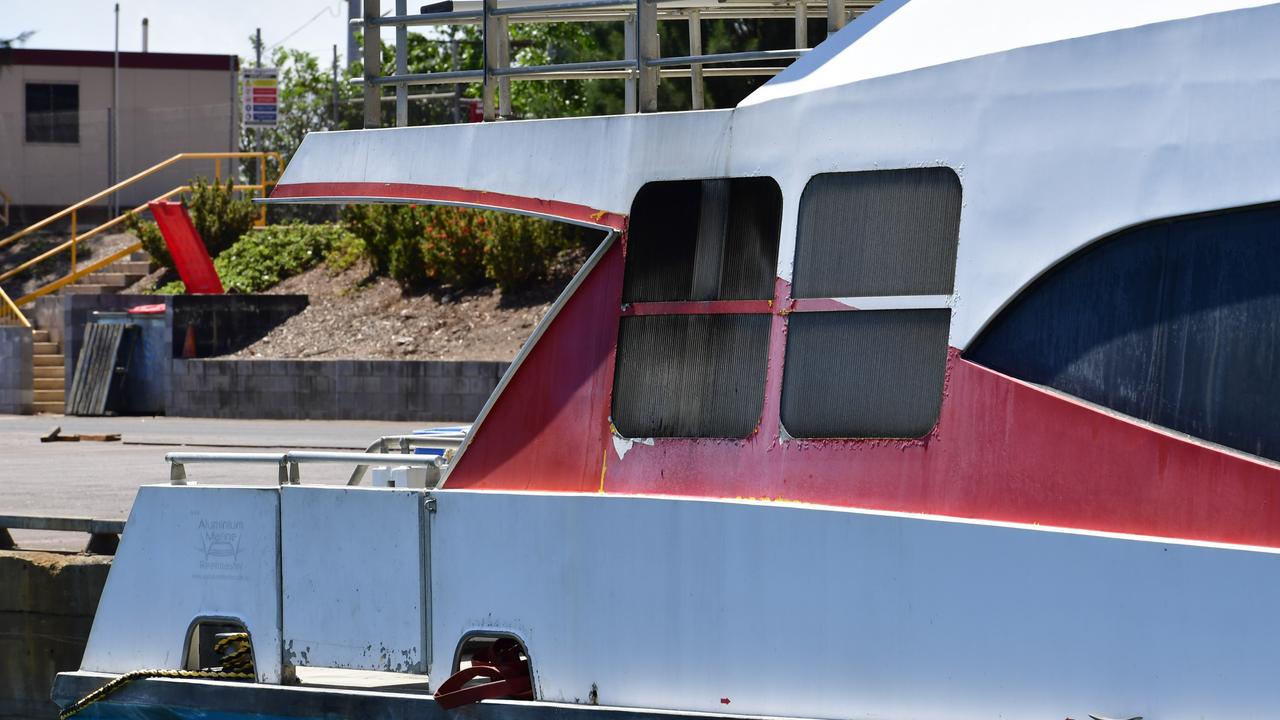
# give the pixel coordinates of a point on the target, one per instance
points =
(1176, 323)
(864, 374)
(690, 375)
(52, 113)
(661, 239)
(882, 232)
(703, 240)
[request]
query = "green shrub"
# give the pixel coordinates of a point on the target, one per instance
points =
(453, 248)
(458, 247)
(148, 233)
(367, 222)
(176, 287)
(346, 252)
(262, 258)
(519, 249)
(219, 217)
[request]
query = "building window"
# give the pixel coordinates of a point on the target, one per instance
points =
(53, 113)
(693, 341)
(873, 276)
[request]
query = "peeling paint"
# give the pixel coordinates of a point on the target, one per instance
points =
(623, 445)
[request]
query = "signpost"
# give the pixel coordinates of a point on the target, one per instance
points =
(260, 96)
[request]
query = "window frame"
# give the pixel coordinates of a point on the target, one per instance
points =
(865, 303)
(758, 306)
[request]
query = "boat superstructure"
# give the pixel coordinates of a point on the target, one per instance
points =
(935, 380)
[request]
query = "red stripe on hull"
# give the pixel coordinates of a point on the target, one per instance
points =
(1002, 449)
(698, 307)
(439, 193)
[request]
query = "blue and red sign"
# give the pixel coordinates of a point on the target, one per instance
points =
(259, 96)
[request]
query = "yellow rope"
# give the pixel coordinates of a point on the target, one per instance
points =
(237, 664)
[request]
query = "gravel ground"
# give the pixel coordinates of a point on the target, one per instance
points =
(349, 318)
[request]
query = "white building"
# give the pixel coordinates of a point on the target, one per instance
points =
(54, 130)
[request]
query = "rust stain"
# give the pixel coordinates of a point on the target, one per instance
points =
(604, 465)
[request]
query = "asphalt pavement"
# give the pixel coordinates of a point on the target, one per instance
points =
(100, 479)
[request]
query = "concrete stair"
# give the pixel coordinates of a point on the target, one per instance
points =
(50, 374)
(113, 278)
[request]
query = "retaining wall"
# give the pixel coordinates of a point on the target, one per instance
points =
(47, 601)
(17, 386)
(332, 389)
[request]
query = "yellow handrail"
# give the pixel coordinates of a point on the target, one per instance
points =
(9, 312)
(4, 201)
(72, 212)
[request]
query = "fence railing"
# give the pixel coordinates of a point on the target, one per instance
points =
(72, 214)
(5, 201)
(642, 68)
(10, 315)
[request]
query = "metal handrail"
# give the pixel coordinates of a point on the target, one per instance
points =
(404, 443)
(75, 272)
(5, 200)
(641, 69)
(744, 56)
(287, 462)
(9, 312)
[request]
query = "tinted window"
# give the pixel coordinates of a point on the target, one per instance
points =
(882, 232)
(871, 373)
(1176, 323)
(703, 240)
(690, 375)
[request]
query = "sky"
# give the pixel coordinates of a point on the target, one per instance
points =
(219, 27)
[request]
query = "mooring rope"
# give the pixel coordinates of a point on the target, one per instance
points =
(237, 664)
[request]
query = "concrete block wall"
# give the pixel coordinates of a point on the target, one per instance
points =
(47, 603)
(332, 389)
(17, 378)
(224, 324)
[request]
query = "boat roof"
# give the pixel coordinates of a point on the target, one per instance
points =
(1063, 123)
(898, 36)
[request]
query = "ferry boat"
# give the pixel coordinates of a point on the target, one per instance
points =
(936, 380)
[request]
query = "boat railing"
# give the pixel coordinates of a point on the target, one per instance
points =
(641, 69)
(287, 463)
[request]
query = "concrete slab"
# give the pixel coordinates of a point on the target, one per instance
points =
(99, 480)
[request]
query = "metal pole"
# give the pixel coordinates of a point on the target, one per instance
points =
(802, 24)
(257, 47)
(504, 61)
(835, 16)
(695, 48)
(372, 65)
(114, 204)
(647, 49)
(353, 48)
(402, 66)
(456, 112)
(232, 145)
(333, 122)
(145, 24)
(489, 35)
(629, 41)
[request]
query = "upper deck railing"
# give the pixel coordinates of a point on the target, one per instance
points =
(642, 68)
